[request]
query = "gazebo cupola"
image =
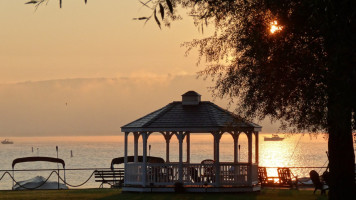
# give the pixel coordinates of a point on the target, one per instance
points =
(181, 119)
(191, 98)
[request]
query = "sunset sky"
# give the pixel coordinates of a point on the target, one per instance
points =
(89, 69)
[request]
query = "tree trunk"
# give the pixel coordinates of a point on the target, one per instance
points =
(341, 153)
(339, 115)
(340, 59)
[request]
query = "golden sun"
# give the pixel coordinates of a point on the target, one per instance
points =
(275, 27)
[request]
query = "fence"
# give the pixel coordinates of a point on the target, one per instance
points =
(157, 174)
(73, 178)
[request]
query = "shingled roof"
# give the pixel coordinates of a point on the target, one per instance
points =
(203, 117)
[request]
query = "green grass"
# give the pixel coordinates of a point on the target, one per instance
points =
(107, 194)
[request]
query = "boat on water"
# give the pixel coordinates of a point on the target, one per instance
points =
(39, 182)
(274, 137)
(7, 141)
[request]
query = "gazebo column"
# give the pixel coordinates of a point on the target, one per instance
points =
(136, 137)
(167, 137)
(256, 148)
(249, 137)
(249, 172)
(125, 152)
(144, 158)
(217, 137)
(167, 150)
(235, 135)
(214, 149)
(188, 146)
(180, 136)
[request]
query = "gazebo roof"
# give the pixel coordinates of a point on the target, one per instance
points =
(198, 117)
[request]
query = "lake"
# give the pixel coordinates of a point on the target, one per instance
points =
(295, 150)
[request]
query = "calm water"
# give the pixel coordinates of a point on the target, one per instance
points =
(98, 151)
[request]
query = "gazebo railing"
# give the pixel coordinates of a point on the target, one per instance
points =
(162, 173)
(133, 173)
(159, 174)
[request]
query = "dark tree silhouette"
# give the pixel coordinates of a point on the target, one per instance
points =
(303, 73)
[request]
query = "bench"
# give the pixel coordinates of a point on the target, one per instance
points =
(115, 178)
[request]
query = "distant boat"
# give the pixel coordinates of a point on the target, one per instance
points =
(274, 137)
(7, 141)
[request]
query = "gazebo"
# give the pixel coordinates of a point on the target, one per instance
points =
(181, 119)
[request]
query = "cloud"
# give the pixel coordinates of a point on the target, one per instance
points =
(87, 106)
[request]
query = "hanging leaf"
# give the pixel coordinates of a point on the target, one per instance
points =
(158, 23)
(85, 1)
(140, 18)
(169, 4)
(161, 10)
(32, 2)
(60, 3)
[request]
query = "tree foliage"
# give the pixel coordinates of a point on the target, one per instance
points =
(283, 75)
(303, 74)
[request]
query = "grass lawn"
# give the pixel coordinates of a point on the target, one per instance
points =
(107, 194)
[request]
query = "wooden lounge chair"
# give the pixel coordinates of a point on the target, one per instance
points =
(319, 185)
(286, 177)
(264, 179)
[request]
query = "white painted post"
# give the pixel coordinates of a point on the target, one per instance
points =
(249, 136)
(180, 136)
(144, 159)
(125, 155)
(167, 137)
(167, 150)
(235, 136)
(249, 172)
(136, 137)
(188, 147)
(235, 150)
(217, 137)
(214, 148)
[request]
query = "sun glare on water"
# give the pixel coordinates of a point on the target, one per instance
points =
(275, 27)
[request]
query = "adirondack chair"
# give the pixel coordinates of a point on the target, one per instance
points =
(286, 177)
(319, 185)
(264, 179)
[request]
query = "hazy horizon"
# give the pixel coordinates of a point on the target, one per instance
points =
(90, 69)
(91, 106)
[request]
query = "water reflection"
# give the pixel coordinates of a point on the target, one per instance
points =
(294, 151)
